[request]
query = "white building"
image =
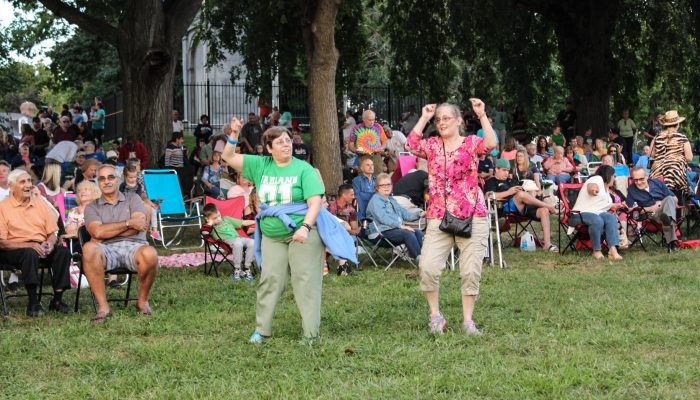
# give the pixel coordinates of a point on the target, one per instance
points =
(210, 91)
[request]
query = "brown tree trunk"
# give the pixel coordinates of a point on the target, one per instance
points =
(147, 40)
(148, 60)
(584, 32)
(322, 61)
(584, 35)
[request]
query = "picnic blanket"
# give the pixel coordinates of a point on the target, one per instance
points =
(183, 260)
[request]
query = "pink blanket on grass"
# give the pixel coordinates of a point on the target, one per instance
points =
(183, 260)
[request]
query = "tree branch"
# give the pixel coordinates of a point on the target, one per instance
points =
(96, 26)
(179, 15)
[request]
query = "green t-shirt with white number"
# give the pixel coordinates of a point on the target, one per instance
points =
(293, 183)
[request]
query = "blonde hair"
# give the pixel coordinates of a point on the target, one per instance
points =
(381, 177)
(51, 177)
(94, 189)
(454, 110)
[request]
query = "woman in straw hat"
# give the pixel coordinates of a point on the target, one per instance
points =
(671, 152)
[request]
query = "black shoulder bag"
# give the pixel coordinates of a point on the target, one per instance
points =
(451, 224)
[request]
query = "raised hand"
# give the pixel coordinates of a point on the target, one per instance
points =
(429, 111)
(235, 126)
(478, 106)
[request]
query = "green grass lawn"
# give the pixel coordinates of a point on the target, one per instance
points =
(554, 327)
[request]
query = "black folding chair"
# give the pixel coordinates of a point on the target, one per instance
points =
(84, 237)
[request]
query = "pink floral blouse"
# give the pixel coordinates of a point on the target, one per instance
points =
(462, 178)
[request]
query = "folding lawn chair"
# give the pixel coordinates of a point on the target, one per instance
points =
(212, 248)
(376, 242)
(84, 237)
(230, 208)
(163, 189)
(576, 234)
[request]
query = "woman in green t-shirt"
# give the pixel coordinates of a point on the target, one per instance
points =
(281, 179)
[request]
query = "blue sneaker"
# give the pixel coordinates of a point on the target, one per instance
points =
(257, 338)
(248, 277)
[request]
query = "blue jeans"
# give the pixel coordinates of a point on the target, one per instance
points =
(412, 240)
(561, 178)
(213, 191)
(597, 223)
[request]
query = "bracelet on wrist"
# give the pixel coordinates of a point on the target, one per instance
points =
(307, 226)
(231, 141)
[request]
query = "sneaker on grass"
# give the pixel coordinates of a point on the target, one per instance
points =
(236, 275)
(470, 328)
(437, 324)
(257, 338)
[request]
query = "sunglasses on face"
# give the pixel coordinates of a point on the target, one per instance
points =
(106, 178)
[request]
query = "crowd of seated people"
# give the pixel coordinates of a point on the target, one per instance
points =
(61, 155)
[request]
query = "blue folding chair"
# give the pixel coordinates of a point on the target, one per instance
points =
(173, 211)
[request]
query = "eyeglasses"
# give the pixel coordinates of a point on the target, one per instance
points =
(639, 179)
(445, 119)
(384, 185)
(106, 178)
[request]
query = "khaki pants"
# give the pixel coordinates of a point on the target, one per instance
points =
(304, 262)
(436, 248)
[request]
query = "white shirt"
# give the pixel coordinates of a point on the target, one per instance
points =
(177, 126)
(4, 193)
(347, 128)
(597, 204)
(396, 143)
(63, 151)
(536, 158)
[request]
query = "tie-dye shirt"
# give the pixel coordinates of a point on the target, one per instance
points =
(462, 177)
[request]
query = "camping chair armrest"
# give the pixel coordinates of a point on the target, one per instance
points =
(157, 201)
(197, 199)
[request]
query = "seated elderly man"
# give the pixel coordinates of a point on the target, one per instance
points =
(520, 202)
(117, 223)
(655, 198)
(28, 233)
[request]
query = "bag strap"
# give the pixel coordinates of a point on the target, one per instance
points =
(444, 193)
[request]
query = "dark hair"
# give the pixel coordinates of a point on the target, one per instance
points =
(99, 104)
(175, 136)
(344, 188)
(606, 172)
(537, 143)
(209, 210)
(36, 119)
(273, 133)
(251, 113)
(203, 116)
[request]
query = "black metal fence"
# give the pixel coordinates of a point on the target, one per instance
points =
(222, 100)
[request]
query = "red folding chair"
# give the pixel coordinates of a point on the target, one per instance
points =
(212, 248)
(579, 239)
(230, 208)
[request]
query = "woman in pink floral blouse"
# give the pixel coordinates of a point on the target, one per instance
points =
(464, 199)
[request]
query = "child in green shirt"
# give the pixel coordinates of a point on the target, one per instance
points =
(225, 229)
